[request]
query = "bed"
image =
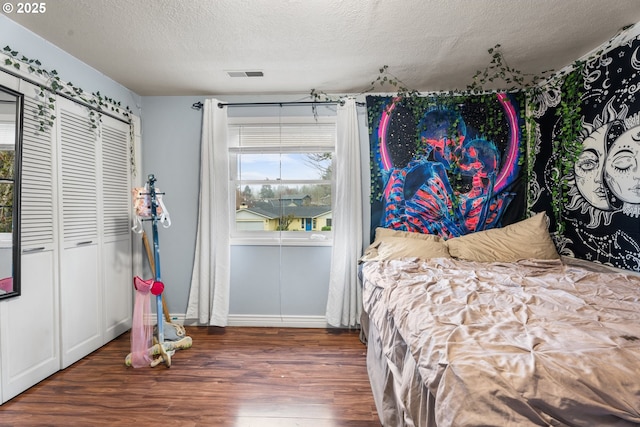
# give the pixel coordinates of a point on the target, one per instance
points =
(496, 329)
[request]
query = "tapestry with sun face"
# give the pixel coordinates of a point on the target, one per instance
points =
(447, 165)
(601, 211)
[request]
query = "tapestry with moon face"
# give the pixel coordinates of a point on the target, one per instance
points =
(601, 209)
(447, 165)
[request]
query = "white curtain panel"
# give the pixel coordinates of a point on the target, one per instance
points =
(344, 304)
(209, 294)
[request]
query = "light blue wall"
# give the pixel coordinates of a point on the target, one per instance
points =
(69, 68)
(171, 152)
(273, 281)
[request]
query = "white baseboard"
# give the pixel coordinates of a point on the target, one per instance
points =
(273, 321)
(278, 321)
(179, 319)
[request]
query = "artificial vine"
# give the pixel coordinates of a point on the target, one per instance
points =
(46, 106)
(54, 85)
(567, 145)
(96, 102)
(499, 70)
(515, 81)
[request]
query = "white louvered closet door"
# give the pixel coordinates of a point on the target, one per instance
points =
(116, 220)
(29, 326)
(80, 276)
(76, 243)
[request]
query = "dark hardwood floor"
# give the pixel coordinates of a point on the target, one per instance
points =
(239, 377)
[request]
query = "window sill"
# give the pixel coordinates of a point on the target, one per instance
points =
(289, 241)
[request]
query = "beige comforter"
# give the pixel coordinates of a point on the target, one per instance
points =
(527, 343)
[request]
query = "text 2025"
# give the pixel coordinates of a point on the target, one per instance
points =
(31, 7)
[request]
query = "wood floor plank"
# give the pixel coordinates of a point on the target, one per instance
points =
(235, 376)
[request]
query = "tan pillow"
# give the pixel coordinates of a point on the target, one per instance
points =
(394, 247)
(371, 253)
(383, 233)
(525, 239)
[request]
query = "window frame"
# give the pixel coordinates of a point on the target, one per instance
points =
(265, 237)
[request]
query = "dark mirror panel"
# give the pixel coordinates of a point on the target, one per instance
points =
(10, 156)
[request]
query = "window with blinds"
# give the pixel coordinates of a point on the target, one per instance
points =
(281, 177)
(7, 134)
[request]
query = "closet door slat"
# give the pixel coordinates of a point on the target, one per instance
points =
(37, 194)
(116, 193)
(79, 176)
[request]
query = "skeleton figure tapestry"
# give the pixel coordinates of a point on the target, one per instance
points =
(447, 165)
(601, 211)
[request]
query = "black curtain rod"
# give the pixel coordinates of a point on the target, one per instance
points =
(70, 98)
(199, 105)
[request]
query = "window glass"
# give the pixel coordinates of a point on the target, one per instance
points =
(284, 166)
(7, 162)
(281, 179)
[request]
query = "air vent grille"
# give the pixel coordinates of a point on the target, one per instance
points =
(245, 73)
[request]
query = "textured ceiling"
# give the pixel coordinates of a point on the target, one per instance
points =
(186, 47)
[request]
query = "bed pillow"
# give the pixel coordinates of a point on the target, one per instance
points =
(525, 239)
(383, 233)
(395, 244)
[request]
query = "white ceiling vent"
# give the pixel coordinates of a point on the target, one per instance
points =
(245, 73)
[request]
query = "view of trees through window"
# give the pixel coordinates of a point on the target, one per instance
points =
(284, 191)
(7, 161)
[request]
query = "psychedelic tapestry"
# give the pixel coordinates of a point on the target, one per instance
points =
(601, 209)
(447, 165)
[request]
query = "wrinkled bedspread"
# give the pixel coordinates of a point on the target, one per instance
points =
(515, 344)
